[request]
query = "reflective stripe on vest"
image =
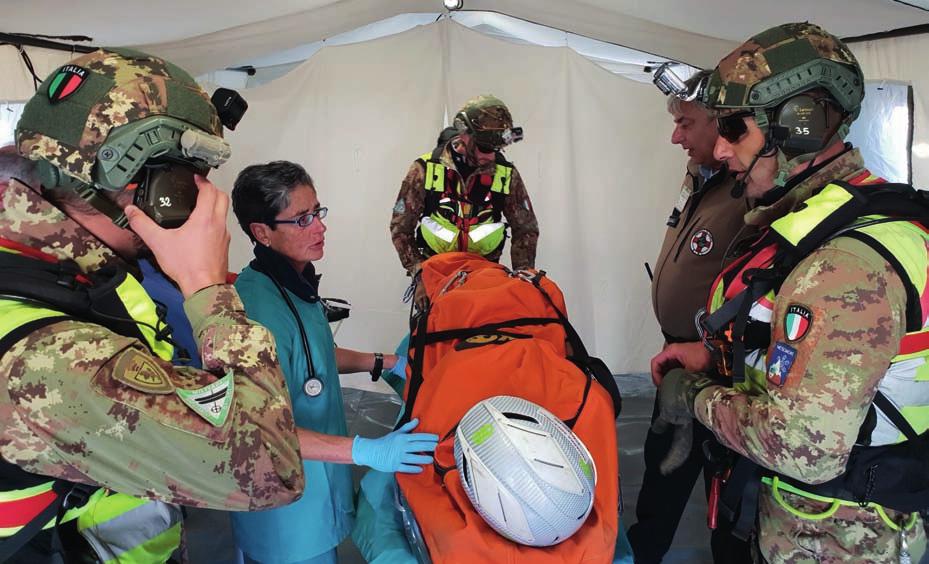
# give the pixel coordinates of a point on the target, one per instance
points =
(906, 381)
(124, 519)
(501, 183)
(141, 308)
(435, 174)
(15, 313)
(126, 529)
(19, 507)
(442, 235)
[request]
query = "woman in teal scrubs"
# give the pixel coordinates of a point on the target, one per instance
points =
(277, 206)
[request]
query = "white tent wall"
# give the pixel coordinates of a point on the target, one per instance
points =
(354, 116)
(904, 59)
(17, 82)
(596, 161)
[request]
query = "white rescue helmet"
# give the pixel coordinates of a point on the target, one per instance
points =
(526, 473)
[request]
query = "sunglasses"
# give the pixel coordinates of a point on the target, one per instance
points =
(733, 127)
(486, 147)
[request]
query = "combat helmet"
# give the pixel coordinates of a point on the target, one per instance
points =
(787, 78)
(118, 119)
(489, 121)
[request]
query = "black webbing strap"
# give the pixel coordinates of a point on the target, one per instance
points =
(591, 365)
(68, 496)
(892, 413)
(490, 328)
(739, 498)
(418, 347)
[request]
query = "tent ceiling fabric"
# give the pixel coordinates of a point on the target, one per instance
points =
(232, 46)
(207, 35)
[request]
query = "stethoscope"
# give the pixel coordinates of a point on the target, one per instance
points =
(312, 386)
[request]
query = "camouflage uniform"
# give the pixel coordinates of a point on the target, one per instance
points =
(410, 206)
(66, 416)
(805, 428)
(488, 122)
(67, 411)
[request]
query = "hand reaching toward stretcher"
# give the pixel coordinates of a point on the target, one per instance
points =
(399, 451)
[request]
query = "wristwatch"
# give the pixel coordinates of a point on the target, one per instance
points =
(378, 366)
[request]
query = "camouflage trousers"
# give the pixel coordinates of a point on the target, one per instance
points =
(851, 534)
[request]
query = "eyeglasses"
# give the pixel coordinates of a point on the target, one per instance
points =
(304, 220)
(733, 127)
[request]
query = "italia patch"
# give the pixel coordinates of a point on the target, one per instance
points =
(66, 82)
(701, 243)
(797, 322)
(782, 358)
(211, 402)
(141, 372)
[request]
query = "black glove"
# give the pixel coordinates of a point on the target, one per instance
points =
(676, 396)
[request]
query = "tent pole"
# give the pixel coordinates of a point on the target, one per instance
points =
(30, 41)
(900, 32)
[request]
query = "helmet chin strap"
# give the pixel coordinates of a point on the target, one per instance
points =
(738, 190)
(95, 198)
(784, 164)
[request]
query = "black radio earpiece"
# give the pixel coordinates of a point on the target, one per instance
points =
(800, 126)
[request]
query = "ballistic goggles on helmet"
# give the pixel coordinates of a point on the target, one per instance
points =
(490, 140)
(671, 84)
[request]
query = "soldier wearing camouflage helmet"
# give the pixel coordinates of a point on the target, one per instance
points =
(103, 438)
(456, 197)
(815, 340)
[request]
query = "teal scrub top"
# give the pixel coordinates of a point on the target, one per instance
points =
(325, 514)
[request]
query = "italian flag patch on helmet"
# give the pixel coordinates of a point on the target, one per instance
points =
(66, 82)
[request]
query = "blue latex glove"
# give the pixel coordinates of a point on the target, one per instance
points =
(400, 367)
(397, 451)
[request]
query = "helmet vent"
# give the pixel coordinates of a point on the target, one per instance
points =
(552, 464)
(502, 509)
(466, 471)
(520, 417)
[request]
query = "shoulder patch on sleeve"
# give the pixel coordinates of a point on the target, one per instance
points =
(797, 322)
(140, 372)
(782, 358)
(213, 401)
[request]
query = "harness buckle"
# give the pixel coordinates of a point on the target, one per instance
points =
(77, 496)
(533, 277)
(720, 348)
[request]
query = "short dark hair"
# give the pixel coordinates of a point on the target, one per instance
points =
(262, 191)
